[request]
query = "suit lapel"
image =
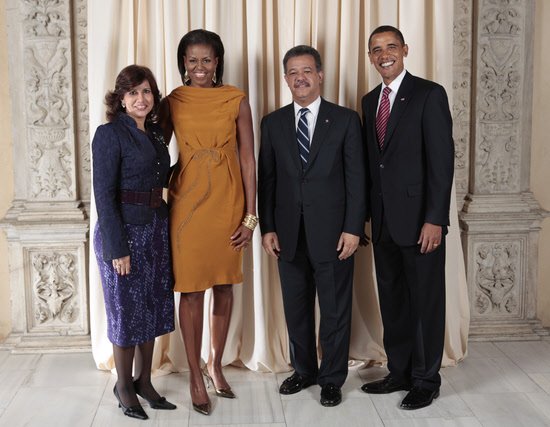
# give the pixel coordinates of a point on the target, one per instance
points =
(288, 127)
(402, 98)
(321, 128)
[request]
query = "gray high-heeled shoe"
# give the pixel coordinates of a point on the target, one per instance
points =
(221, 392)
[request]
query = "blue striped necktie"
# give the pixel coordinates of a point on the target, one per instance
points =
(302, 135)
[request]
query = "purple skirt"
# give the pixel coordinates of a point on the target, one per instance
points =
(140, 306)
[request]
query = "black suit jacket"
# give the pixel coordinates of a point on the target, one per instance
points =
(410, 181)
(329, 193)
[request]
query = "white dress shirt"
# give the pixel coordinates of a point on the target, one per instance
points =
(394, 86)
(311, 116)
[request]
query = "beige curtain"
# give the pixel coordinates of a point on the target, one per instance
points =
(256, 34)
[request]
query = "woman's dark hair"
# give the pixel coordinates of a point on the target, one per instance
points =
(303, 50)
(203, 37)
(130, 77)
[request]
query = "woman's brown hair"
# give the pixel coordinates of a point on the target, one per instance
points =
(130, 77)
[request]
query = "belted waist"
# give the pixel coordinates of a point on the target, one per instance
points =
(152, 198)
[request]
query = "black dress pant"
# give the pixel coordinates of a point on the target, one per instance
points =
(301, 279)
(411, 288)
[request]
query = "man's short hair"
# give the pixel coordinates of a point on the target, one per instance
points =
(387, 29)
(303, 50)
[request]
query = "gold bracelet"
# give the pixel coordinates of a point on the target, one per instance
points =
(250, 221)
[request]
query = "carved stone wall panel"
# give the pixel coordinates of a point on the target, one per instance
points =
(499, 278)
(500, 219)
(80, 43)
(46, 226)
(499, 98)
(56, 300)
(462, 75)
(48, 96)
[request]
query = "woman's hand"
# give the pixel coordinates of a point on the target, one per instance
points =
(241, 237)
(122, 265)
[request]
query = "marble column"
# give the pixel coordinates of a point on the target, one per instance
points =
(47, 225)
(500, 218)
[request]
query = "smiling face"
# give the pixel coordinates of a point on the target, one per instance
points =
(139, 102)
(200, 62)
(303, 79)
(386, 53)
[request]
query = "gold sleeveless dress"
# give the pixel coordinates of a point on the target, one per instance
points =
(206, 194)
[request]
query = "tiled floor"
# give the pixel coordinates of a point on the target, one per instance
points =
(499, 384)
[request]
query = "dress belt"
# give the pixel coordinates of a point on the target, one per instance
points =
(152, 198)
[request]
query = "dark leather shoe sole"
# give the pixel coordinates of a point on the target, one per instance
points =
(331, 402)
(160, 403)
(295, 386)
(135, 411)
(384, 390)
(419, 404)
(286, 390)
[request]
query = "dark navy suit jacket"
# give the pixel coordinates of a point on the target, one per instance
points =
(410, 179)
(329, 194)
(126, 158)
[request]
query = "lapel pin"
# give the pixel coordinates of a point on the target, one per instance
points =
(326, 120)
(402, 99)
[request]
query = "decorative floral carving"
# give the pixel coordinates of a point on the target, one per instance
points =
(48, 76)
(502, 18)
(496, 278)
(499, 81)
(47, 84)
(54, 287)
(51, 162)
(82, 116)
(44, 19)
(462, 61)
(500, 95)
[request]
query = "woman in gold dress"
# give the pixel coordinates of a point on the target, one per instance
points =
(212, 200)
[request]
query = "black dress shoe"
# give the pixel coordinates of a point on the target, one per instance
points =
(135, 411)
(160, 403)
(419, 398)
(384, 386)
(294, 384)
(331, 395)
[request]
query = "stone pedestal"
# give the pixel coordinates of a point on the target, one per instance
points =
(47, 226)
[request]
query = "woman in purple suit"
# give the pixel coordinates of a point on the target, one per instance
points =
(131, 166)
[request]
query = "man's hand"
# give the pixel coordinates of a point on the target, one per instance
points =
(270, 242)
(347, 245)
(430, 238)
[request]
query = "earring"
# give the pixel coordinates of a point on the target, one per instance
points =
(186, 78)
(123, 104)
(214, 78)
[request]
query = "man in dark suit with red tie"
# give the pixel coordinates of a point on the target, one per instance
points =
(408, 134)
(312, 211)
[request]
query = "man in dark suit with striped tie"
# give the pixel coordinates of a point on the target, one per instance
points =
(312, 212)
(408, 135)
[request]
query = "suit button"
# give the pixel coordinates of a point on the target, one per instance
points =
(381, 166)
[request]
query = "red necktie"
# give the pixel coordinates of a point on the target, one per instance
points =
(383, 116)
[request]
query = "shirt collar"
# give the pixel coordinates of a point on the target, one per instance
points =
(394, 85)
(313, 107)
